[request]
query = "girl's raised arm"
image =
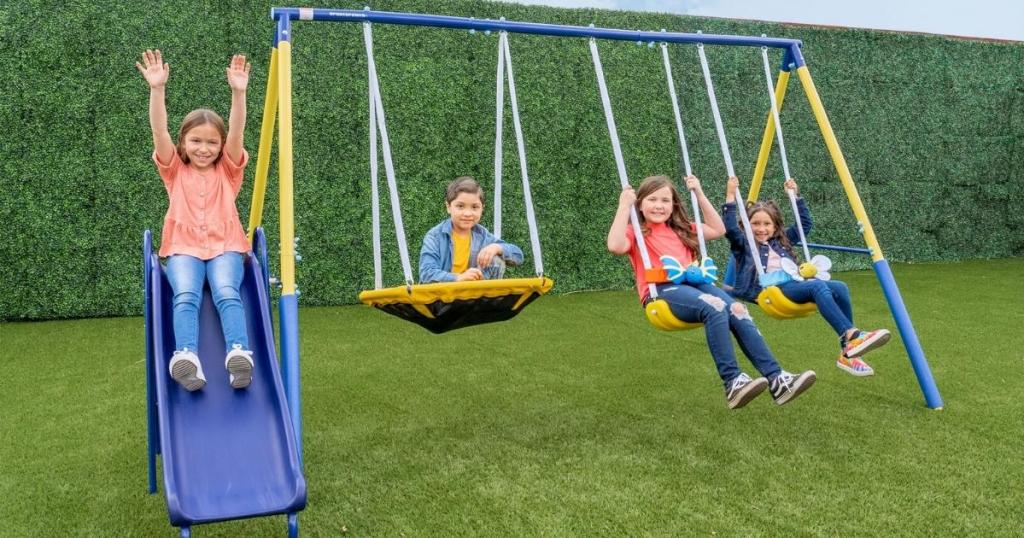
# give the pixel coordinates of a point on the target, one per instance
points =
(155, 71)
(618, 243)
(713, 225)
(731, 185)
(238, 80)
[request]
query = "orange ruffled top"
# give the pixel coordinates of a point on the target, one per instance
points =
(202, 219)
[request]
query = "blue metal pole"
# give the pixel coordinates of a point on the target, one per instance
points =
(288, 310)
(283, 30)
(288, 304)
(465, 23)
(910, 341)
(857, 250)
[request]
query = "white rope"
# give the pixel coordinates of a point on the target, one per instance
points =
(685, 151)
(799, 224)
(619, 162)
(378, 279)
(740, 206)
(531, 218)
(714, 110)
(775, 112)
(499, 128)
(782, 151)
(389, 168)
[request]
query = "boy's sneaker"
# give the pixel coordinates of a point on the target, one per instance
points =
(855, 366)
(186, 370)
(742, 390)
(864, 341)
(239, 365)
(495, 270)
(787, 386)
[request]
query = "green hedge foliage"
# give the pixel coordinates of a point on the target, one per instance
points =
(932, 129)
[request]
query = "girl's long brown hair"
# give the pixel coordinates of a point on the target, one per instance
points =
(679, 221)
(771, 209)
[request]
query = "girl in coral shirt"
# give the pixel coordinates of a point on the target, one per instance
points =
(202, 237)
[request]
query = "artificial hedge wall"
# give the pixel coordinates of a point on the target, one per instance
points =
(932, 129)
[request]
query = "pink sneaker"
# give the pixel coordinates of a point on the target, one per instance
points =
(855, 366)
(864, 341)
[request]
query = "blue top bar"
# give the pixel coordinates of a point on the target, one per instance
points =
(444, 21)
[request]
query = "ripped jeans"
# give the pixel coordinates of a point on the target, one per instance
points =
(721, 314)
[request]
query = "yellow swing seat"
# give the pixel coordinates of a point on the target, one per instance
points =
(660, 315)
(775, 304)
(444, 306)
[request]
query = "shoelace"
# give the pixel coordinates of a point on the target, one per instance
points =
(740, 380)
(784, 380)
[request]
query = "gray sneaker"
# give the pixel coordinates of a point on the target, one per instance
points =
(742, 390)
(186, 369)
(495, 270)
(239, 365)
(787, 386)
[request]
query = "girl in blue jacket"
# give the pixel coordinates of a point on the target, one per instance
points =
(775, 243)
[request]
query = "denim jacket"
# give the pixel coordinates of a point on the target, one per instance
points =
(746, 286)
(436, 254)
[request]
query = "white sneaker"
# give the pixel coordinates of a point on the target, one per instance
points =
(186, 370)
(239, 365)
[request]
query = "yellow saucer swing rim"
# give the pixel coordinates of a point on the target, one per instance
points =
(448, 292)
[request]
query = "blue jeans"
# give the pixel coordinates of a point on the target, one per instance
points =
(831, 296)
(187, 275)
(720, 314)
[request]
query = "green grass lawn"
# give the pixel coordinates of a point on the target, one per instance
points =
(575, 419)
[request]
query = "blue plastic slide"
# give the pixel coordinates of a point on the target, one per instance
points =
(227, 453)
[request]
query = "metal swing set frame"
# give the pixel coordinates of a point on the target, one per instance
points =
(278, 109)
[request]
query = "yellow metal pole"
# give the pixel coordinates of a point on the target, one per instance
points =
(259, 188)
(766, 141)
(840, 163)
(285, 178)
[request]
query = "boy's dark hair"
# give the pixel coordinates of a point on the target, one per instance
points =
(463, 184)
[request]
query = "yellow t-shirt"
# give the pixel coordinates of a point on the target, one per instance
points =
(460, 252)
